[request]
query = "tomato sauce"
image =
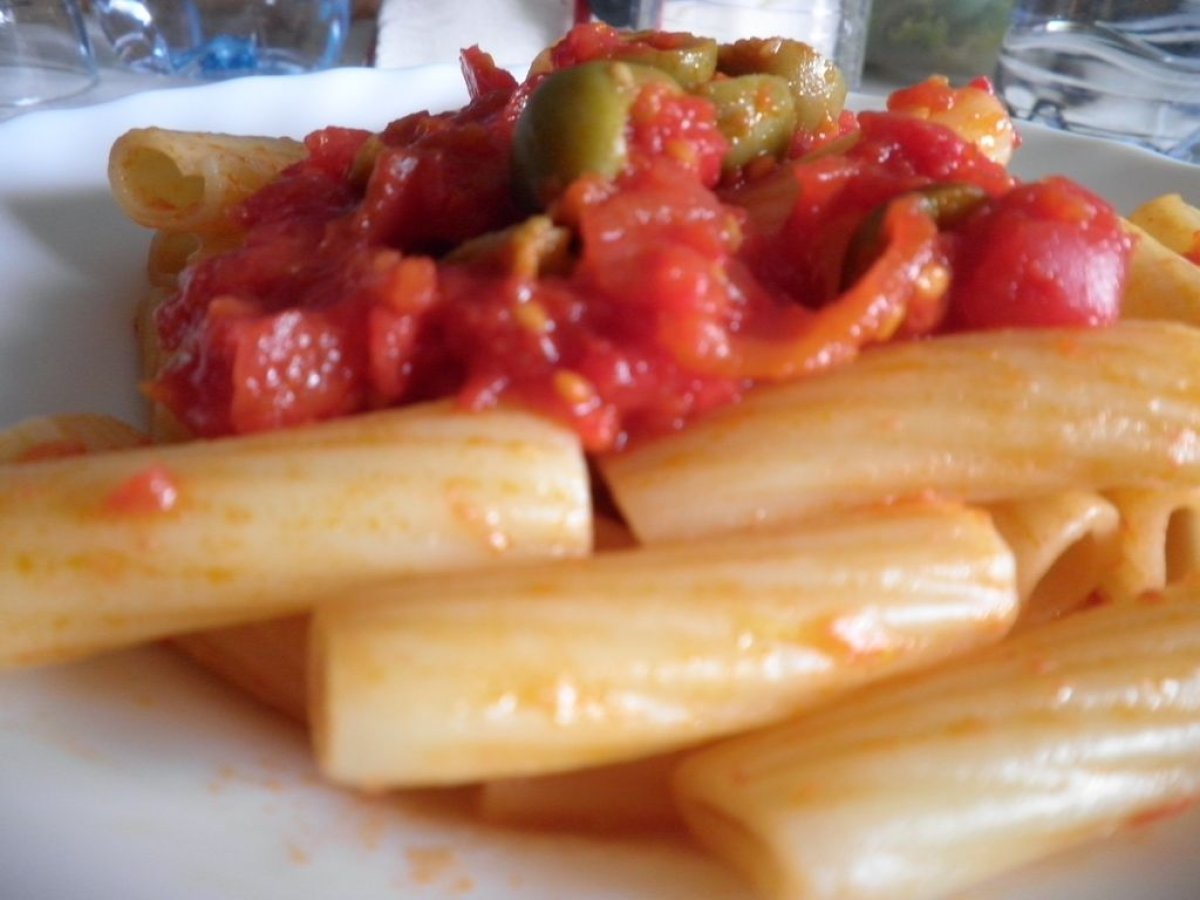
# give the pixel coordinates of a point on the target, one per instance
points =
(151, 490)
(403, 266)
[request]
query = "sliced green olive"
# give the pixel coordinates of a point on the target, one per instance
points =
(818, 88)
(364, 161)
(575, 123)
(688, 59)
(530, 248)
(756, 113)
(947, 204)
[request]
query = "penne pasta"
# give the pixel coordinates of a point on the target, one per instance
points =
(1160, 541)
(982, 417)
(1064, 544)
(629, 653)
(188, 181)
(112, 549)
(926, 785)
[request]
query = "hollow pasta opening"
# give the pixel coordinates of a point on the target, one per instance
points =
(162, 183)
(1181, 546)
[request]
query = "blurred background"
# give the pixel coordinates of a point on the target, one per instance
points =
(911, 39)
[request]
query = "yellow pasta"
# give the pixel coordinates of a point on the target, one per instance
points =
(268, 659)
(51, 437)
(1065, 545)
(983, 417)
(829, 628)
(625, 654)
(1160, 541)
(110, 549)
(1162, 284)
(923, 786)
(185, 181)
(1173, 222)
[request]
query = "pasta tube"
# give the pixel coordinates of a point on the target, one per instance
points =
(54, 437)
(926, 785)
(1162, 284)
(1065, 545)
(982, 417)
(1172, 221)
(107, 550)
(635, 652)
(188, 181)
(1160, 540)
(267, 659)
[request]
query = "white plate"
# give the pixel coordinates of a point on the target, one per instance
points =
(137, 777)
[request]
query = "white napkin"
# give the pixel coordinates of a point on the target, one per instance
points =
(416, 32)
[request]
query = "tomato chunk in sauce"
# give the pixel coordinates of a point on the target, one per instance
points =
(402, 266)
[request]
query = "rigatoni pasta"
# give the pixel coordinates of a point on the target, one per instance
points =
(111, 549)
(56, 437)
(1162, 284)
(1160, 540)
(631, 653)
(926, 785)
(980, 417)
(825, 565)
(180, 181)
(1173, 222)
(1065, 544)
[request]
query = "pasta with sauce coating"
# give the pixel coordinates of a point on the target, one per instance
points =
(112, 549)
(922, 786)
(606, 660)
(1160, 540)
(593, 661)
(1065, 544)
(980, 416)
(187, 181)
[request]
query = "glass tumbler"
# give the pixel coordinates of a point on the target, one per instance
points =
(216, 39)
(44, 51)
(1126, 69)
(835, 28)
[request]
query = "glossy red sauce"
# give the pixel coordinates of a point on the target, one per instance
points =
(680, 290)
(151, 490)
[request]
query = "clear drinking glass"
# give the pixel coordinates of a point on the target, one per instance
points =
(44, 51)
(836, 28)
(1126, 69)
(913, 39)
(225, 38)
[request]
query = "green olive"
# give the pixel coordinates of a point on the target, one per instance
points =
(756, 113)
(818, 88)
(575, 123)
(530, 248)
(688, 59)
(947, 204)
